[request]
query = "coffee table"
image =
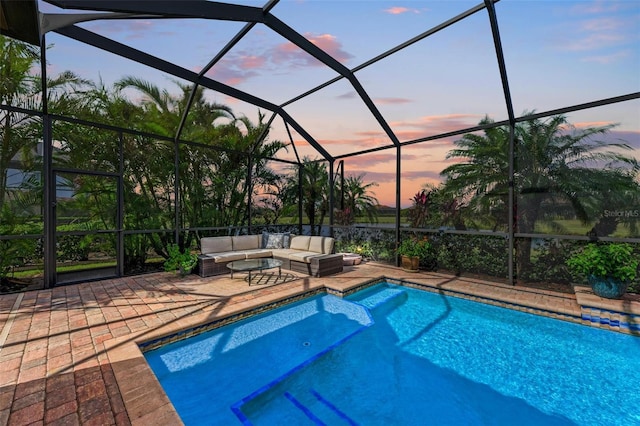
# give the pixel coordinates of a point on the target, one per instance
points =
(251, 265)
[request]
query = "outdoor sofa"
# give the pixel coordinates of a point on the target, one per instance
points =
(311, 255)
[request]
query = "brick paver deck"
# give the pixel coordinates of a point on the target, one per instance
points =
(70, 355)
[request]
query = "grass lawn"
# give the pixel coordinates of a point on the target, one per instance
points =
(577, 227)
(560, 227)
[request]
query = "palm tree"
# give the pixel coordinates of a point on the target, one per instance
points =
(315, 192)
(434, 206)
(555, 163)
(267, 184)
(20, 87)
(358, 199)
(212, 182)
(213, 178)
(17, 88)
(164, 110)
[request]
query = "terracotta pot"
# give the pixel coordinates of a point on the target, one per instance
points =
(351, 259)
(410, 263)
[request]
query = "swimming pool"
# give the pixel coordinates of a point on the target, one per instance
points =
(394, 355)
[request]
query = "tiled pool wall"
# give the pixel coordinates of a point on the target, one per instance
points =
(612, 320)
(194, 331)
(590, 316)
(489, 301)
(361, 286)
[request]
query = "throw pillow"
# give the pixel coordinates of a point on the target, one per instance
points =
(275, 240)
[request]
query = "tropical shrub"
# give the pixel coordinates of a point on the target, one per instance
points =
(419, 210)
(478, 254)
(548, 261)
(421, 248)
(617, 261)
(181, 261)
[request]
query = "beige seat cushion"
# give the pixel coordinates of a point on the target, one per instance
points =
(300, 242)
(303, 256)
(246, 242)
(321, 244)
(215, 245)
(228, 256)
(283, 253)
(257, 254)
(328, 245)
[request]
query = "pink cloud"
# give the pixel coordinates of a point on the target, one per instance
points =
(601, 24)
(378, 177)
(241, 65)
(399, 10)
(349, 95)
(391, 101)
(372, 134)
(357, 144)
(130, 29)
(593, 42)
(289, 52)
(233, 71)
(421, 174)
(438, 143)
(331, 45)
(446, 123)
(407, 131)
(608, 59)
(433, 125)
(587, 124)
(252, 61)
(597, 34)
(406, 135)
(597, 7)
(301, 143)
(290, 55)
(369, 160)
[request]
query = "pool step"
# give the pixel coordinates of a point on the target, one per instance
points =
(387, 297)
(318, 409)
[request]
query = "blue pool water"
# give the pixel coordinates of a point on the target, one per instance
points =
(391, 355)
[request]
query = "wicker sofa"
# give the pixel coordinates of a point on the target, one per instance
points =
(311, 255)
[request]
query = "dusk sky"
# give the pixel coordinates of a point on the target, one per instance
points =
(558, 53)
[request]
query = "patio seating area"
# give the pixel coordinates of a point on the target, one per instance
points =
(70, 355)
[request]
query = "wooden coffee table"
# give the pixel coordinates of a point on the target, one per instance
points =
(251, 265)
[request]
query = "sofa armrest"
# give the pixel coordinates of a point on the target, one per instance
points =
(320, 266)
(215, 244)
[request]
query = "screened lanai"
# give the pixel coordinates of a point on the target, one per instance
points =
(506, 133)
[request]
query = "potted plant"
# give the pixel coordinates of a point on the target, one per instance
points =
(411, 251)
(609, 268)
(183, 262)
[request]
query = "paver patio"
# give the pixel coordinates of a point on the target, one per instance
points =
(70, 355)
